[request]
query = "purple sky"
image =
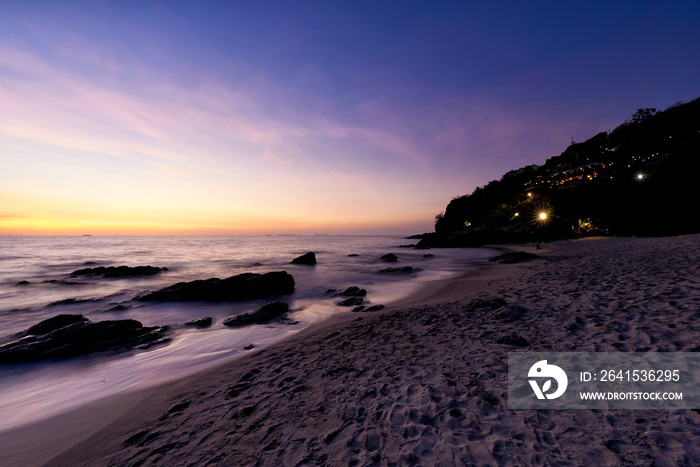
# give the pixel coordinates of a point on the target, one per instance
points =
(293, 117)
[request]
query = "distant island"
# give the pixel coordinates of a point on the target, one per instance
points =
(640, 179)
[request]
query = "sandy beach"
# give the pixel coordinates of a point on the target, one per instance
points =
(423, 382)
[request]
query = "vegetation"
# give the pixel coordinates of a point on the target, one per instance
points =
(640, 179)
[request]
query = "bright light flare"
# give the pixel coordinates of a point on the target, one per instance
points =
(542, 214)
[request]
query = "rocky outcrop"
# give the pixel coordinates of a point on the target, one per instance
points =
(265, 314)
(245, 286)
(353, 291)
(119, 271)
(401, 270)
(352, 301)
(66, 336)
(308, 258)
(203, 322)
(390, 257)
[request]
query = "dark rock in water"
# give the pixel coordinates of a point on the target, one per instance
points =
(513, 339)
(375, 308)
(119, 271)
(358, 309)
(353, 291)
(309, 258)
(390, 257)
(67, 336)
(352, 301)
(118, 307)
(54, 323)
(403, 270)
(203, 322)
(23, 283)
(510, 313)
(244, 286)
(514, 257)
(248, 347)
(264, 314)
(331, 292)
(352, 255)
(429, 255)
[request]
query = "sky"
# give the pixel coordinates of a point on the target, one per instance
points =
(275, 117)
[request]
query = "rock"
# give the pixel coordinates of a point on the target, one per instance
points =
(23, 283)
(513, 339)
(309, 258)
(375, 308)
(203, 322)
(54, 323)
(514, 257)
(510, 313)
(66, 336)
(352, 301)
(248, 347)
(402, 270)
(119, 271)
(353, 291)
(390, 257)
(244, 286)
(352, 255)
(429, 255)
(358, 309)
(264, 314)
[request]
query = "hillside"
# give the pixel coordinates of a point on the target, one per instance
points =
(640, 179)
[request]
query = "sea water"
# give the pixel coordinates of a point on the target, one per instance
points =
(33, 391)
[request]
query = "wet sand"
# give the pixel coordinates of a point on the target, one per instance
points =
(420, 383)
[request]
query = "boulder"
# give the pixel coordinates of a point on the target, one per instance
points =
(352, 301)
(264, 314)
(353, 291)
(390, 257)
(57, 322)
(402, 270)
(119, 271)
(244, 286)
(308, 258)
(66, 336)
(203, 322)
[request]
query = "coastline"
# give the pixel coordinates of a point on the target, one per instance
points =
(418, 382)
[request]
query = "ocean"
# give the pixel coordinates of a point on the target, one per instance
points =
(38, 390)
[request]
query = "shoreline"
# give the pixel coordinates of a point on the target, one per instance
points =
(424, 384)
(79, 423)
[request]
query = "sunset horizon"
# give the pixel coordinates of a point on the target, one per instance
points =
(164, 118)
